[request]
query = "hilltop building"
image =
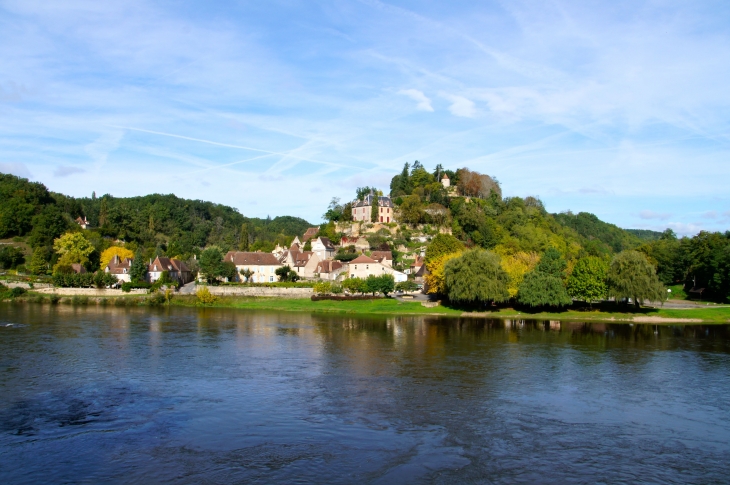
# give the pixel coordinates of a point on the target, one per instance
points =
(362, 210)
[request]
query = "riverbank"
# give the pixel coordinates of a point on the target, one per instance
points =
(388, 306)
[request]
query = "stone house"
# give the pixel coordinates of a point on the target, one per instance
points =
(262, 265)
(323, 248)
(383, 257)
(177, 270)
(304, 263)
(82, 222)
(120, 268)
(364, 266)
(360, 243)
(330, 270)
(362, 209)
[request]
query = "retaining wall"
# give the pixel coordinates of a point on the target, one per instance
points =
(88, 292)
(263, 291)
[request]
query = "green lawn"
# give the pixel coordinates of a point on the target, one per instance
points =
(394, 307)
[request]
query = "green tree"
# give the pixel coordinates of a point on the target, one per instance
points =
(371, 285)
(285, 273)
(411, 210)
(374, 210)
(138, 270)
(441, 245)
(11, 257)
(631, 276)
(587, 282)
(476, 277)
(243, 238)
(211, 264)
(544, 285)
(307, 245)
(386, 284)
(39, 261)
(353, 285)
(48, 225)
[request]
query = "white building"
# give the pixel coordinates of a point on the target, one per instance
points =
(364, 266)
(263, 266)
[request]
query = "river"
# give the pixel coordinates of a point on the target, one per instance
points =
(188, 396)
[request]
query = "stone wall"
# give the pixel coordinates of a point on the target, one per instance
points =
(261, 291)
(20, 284)
(88, 292)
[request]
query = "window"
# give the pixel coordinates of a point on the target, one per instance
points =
(381, 210)
(367, 266)
(355, 268)
(271, 279)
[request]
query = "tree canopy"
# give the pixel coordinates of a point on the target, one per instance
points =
(632, 276)
(476, 276)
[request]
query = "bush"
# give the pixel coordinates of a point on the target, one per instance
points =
(15, 292)
(336, 289)
(54, 299)
(99, 279)
(205, 297)
(322, 287)
(132, 285)
(120, 302)
(406, 286)
(157, 299)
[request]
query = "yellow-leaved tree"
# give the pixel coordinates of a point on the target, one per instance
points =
(73, 248)
(108, 254)
(516, 266)
(442, 248)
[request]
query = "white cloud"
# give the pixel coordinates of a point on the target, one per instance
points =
(18, 169)
(66, 170)
(423, 103)
(647, 214)
(460, 106)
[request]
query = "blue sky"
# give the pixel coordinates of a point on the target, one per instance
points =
(618, 108)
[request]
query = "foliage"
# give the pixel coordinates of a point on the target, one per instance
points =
(441, 245)
(205, 297)
(108, 254)
(410, 210)
(307, 245)
(285, 273)
(374, 208)
(247, 274)
(21, 202)
(610, 237)
(476, 276)
(322, 287)
(587, 281)
(353, 285)
(11, 257)
(39, 261)
(517, 266)
(406, 286)
(544, 285)
(436, 278)
(72, 248)
(127, 286)
(632, 276)
(474, 184)
(84, 280)
(138, 270)
(211, 264)
(379, 284)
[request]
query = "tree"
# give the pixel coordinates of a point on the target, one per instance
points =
(587, 282)
(435, 279)
(517, 266)
(11, 257)
(374, 209)
(247, 274)
(228, 271)
(476, 277)
(544, 285)
(335, 211)
(411, 210)
(39, 261)
(386, 284)
(307, 245)
(353, 285)
(443, 244)
(108, 254)
(243, 238)
(138, 271)
(285, 273)
(371, 285)
(475, 184)
(211, 264)
(631, 276)
(48, 225)
(72, 248)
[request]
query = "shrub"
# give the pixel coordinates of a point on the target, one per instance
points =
(157, 299)
(54, 299)
(322, 287)
(406, 286)
(120, 302)
(205, 297)
(131, 285)
(336, 289)
(80, 300)
(15, 292)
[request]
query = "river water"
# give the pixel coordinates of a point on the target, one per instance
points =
(115, 395)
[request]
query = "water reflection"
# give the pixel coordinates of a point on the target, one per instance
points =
(203, 395)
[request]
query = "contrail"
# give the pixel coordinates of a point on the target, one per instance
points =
(228, 145)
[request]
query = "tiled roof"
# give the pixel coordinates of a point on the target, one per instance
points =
(362, 259)
(379, 256)
(383, 201)
(311, 232)
(328, 266)
(241, 258)
(116, 266)
(301, 258)
(326, 243)
(166, 264)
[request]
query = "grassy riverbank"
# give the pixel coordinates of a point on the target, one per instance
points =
(394, 307)
(710, 314)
